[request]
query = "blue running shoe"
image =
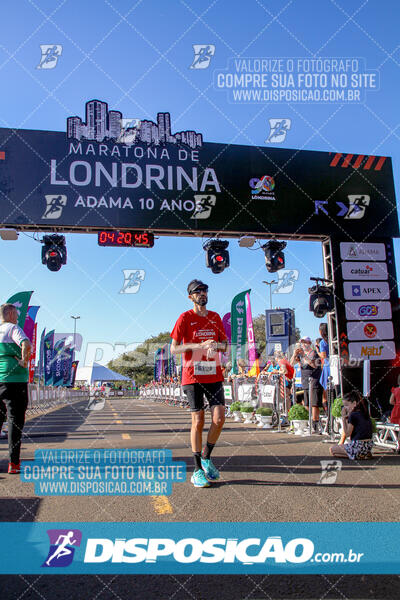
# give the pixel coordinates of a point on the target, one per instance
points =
(210, 471)
(199, 479)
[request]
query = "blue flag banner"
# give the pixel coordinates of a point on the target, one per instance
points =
(48, 347)
(41, 354)
(201, 548)
(57, 366)
(67, 365)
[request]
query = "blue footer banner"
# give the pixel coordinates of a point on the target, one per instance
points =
(200, 548)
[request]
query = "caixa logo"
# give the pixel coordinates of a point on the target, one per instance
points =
(191, 550)
(368, 310)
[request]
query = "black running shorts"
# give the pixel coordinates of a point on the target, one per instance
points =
(315, 389)
(195, 392)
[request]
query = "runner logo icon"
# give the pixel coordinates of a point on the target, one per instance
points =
(204, 204)
(62, 547)
(54, 206)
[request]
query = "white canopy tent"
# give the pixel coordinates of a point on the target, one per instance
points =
(96, 373)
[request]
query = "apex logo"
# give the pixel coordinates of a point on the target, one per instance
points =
(62, 547)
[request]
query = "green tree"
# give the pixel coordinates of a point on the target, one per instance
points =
(259, 333)
(139, 363)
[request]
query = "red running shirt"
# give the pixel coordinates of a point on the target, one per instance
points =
(192, 328)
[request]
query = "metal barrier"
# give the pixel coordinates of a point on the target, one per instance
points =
(46, 397)
(387, 435)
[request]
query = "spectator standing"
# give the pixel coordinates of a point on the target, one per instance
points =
(323, 353)
(395, 416)
(15, 351)
(308, 359)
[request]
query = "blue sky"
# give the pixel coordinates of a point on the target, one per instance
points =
(136, 56)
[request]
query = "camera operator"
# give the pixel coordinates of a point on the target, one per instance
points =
(309, 362)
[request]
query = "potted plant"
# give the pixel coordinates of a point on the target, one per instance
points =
(265, 417)
(247, 412)
(235, 410)
(337, 415)
(299, 416)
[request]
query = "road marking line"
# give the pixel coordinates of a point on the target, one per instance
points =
(126, 436)
(162, 505)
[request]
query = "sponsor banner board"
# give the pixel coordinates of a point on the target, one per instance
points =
(356, 311)
(201, 548)
(267, 393)
(228, 392)
(366, 291)
(362, 251)
(379, 350)
(79, 179)
(373, 271)
(365, 330)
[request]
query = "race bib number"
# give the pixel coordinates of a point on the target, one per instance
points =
(208, 367)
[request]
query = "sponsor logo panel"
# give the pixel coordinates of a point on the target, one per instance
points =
(383, 350)
(378, 330)
(367, 310)
(364, 270)
(354, 290)
(365, 251)
(262, 188)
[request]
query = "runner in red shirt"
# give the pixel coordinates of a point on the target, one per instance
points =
(199, 335)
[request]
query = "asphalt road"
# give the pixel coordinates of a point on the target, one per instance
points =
(265, 476)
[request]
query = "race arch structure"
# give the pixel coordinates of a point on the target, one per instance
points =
(86, 181)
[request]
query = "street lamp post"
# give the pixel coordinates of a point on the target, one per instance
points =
(75, 319)
(270, 283)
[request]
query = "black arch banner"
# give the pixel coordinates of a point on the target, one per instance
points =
(50, 180)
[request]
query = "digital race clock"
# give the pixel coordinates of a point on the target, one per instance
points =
(132, 239)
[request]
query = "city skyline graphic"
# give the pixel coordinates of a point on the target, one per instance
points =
(102, 125)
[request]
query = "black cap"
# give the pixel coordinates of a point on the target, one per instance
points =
(194, 284)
